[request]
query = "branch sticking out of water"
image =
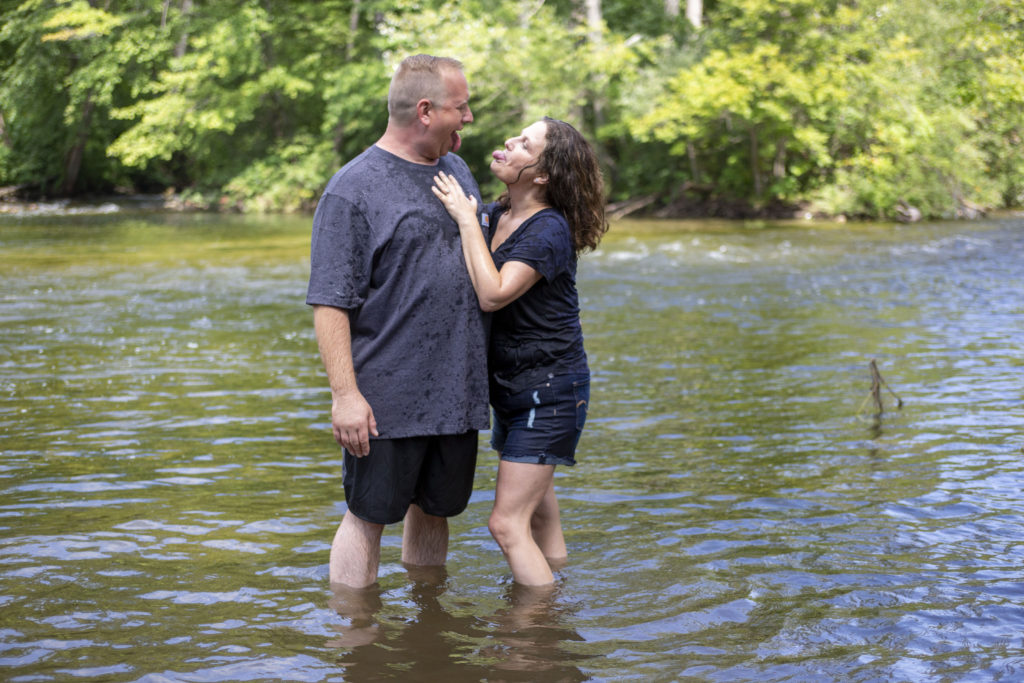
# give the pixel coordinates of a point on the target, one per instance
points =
(875, 395)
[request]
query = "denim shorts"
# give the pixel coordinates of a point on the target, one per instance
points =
(542, 424)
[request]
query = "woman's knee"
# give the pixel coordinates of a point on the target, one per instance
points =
(504, 529)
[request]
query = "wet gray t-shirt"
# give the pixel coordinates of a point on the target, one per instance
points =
(385, 249)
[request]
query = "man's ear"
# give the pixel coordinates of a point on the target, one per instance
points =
(423, 109)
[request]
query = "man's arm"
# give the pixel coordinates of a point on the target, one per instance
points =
(351, 416)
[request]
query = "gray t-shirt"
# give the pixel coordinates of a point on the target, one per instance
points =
(385, 249)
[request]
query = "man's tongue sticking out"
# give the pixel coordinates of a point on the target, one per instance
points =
(456, 141)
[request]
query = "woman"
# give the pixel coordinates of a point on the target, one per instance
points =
(523, 268)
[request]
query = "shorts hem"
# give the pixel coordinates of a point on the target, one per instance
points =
(445, 515)
(373, 521)
(539, 459)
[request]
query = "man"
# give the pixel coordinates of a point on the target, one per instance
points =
(399, 328)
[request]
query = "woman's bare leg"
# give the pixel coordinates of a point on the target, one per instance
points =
(520, 489)
(546, 525)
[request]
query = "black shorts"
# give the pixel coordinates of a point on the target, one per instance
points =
(435, 472)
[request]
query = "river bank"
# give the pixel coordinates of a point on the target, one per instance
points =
(12, 205)
(647, 207)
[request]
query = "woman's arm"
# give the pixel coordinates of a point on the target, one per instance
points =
(494, 289)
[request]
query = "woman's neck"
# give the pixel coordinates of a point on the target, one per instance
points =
(526, 201)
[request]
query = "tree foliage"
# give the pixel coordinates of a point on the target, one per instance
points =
(840, 106)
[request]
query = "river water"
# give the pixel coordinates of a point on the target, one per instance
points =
(169, 486)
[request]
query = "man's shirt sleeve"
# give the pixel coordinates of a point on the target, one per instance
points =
(341, 254)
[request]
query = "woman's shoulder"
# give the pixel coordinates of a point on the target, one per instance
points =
(545, 221)
(549, 223)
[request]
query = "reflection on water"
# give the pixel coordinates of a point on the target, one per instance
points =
(170, 486)
(450, 639)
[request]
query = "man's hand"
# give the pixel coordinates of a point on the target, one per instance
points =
(353, 423)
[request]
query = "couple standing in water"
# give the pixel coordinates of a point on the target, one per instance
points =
(429, 303)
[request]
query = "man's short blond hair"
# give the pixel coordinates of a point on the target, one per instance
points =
(417, 78)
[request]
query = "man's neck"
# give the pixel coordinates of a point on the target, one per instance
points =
(401, 141)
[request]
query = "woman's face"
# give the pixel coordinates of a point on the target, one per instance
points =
(517, 161)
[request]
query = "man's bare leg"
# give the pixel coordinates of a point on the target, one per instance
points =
(424, 538)
(355, 552)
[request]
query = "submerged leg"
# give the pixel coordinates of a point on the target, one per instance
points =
(520, 489)
(355, 552)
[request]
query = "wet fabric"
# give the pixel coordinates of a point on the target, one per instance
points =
(386, 250)
(542, 424)
(538, 334)
(435, 472)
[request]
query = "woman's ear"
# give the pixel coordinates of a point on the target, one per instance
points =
(541, 180)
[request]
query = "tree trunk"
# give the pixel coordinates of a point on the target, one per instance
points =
(779, 165)
(672, 8)
(74, 160)
(695, 12)
(353, 26)
(596, 37)
(4, 136)
(755, 162)
(594, 18)
(691, 153)
(179, 49)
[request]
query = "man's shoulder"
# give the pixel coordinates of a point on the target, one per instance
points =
(355, 169)
(453, 163)
(453, 160)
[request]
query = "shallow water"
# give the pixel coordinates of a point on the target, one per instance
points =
(170, 487)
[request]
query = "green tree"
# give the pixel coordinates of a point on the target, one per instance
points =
(852, 106)
(63, 69)
(855, 107)
(918, 127)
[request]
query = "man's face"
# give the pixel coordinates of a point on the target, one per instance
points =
(448, 117)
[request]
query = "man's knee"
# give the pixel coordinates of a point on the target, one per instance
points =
(425, 525)
(363, 526)
(424, 538)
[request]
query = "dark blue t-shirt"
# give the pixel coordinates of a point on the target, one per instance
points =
(385, 249)
(539, 333)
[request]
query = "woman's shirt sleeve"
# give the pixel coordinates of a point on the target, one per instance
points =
(545, 246)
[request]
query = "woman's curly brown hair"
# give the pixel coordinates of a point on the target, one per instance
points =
(575, 185)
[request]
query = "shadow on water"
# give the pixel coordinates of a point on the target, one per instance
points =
(523, 641)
